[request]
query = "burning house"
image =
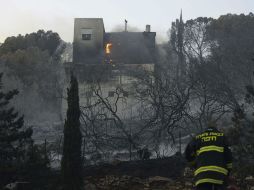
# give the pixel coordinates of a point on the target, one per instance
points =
(92, 45)
(110, 58)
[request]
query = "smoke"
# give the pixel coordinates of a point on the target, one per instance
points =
(120, 28)
(43, 115)
(161, 39)
(67, 54)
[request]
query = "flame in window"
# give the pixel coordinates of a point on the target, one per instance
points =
(108, 48)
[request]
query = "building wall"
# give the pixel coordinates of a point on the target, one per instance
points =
(132, 47)
(121, 76)
(131, 51)
(88, 42)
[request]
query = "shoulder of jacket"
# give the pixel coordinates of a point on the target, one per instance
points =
(209, 132)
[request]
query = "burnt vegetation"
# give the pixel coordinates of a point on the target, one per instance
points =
(204, 71)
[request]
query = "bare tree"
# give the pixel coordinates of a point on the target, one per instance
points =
(104, 124)
(212, 97)
(196, 43)
(165, 103)
(205, 106)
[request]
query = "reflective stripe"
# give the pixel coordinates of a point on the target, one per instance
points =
(211, 168)
(229, 166)
(209, 180)
(210, 148)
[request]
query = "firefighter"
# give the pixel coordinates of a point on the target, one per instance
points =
(211, 157)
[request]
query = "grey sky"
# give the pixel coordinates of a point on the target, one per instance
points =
(26, 16)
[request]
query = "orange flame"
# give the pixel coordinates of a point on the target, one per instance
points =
(108, 48)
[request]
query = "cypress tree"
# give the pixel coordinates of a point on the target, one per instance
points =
(177, 44)
(71, 161)
(180, 34)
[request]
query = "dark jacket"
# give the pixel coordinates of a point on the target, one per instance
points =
(211, 157)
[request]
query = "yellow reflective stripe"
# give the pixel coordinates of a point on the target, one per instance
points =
(210, 148)
(211, 168)
(229, 165)
(209, 180)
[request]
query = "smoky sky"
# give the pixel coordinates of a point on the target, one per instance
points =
(26, 16)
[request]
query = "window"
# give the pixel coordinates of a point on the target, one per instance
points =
(86, 33)
(111, 93)
(86, 36)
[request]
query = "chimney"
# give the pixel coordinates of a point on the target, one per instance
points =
(125, 25)
(148, 28)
